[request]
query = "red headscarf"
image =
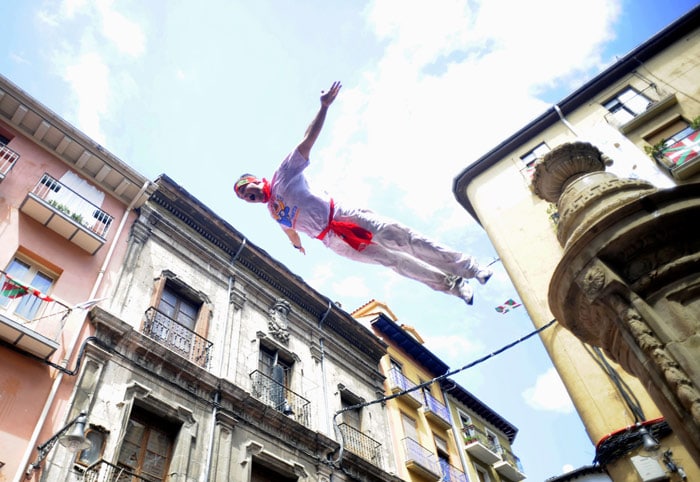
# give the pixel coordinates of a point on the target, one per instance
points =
(246, 179)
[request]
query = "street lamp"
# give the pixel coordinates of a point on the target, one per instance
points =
(73, 441)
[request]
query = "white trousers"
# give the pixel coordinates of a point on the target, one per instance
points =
(398, 247)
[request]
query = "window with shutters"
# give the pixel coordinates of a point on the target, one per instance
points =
(179, 319)
(262, 473)
(147, 445)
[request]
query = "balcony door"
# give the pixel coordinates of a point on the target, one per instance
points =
(147, 447)
(13, 297)
(184, 313)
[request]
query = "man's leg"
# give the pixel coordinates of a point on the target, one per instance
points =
(405, 266)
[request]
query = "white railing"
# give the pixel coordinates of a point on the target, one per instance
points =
(63, 199)
(8, 158)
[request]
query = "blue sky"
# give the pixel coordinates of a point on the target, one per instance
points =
(204, 91)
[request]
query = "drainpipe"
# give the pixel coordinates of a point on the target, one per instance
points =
(74, 342)
(323, 365)
(217, 394)
(566, 122)
(455, 430)
(210, 449)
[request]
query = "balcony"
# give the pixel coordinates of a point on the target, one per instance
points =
(177, 337)
(509, 466)
(8, 158)
(480, 445)
(436, 412)
(450, 473)
(279, 397)
(361, 445)
(680, 154)
(420, 460)
(67, 213)
(103, 471)
(632, 109)
(399, 383)
(29, 319)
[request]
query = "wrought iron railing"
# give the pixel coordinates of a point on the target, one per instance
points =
(512, 459)
(473, 435)
(31, 308)
(103, 471)
(450, 473)
(279, 397)
(433, 405)
(177, 337)
(8, 158)
(399, 383)
(64, 200)
(418, 454)
(360, 444)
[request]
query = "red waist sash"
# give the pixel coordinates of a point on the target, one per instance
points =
(357, 237)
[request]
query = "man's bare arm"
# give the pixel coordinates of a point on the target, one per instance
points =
(295, 239)
(316, 125)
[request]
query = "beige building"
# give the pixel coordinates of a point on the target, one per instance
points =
(616, 247)
(213, 362)
(66, 206)
(439, 430)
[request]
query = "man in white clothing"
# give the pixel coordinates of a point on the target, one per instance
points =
(358, 234)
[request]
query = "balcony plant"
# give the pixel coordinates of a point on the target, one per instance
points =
(77, 217)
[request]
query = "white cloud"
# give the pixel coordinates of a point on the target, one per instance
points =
(453, 347)
(351, 286)
(125, 34)
(444, 92)
(88, 77)
(549, 394)
(101, 40)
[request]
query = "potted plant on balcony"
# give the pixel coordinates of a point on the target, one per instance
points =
(469, 432)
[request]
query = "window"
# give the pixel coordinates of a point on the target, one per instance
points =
(530, 158)
(409, 427)
(184, 313)
(92, 454)
(465, 419)
(626, 105)
(16, 294)
(4, 139)
(493, 440)
(261, 473)
(278, 373)
(178, 318)
(147, 446)
(443, 457)
(482, 474)
(351, 417)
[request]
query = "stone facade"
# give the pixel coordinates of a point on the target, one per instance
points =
(236, 363)
(629, 278)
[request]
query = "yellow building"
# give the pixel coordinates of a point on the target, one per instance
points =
(439, 430)
(642, 113)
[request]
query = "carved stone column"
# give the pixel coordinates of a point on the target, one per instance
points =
(629, 277)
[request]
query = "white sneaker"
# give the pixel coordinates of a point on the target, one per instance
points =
(483, 275)
(465, 292)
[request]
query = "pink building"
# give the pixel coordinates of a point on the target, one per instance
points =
(66, 206)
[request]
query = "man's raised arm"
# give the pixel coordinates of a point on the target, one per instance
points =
(316, 125)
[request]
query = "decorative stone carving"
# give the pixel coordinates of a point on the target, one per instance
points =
(562, 165)
(278, 324)
(593, 282)
(630, 251)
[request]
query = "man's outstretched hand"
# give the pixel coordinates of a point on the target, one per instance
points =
(327, 98)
